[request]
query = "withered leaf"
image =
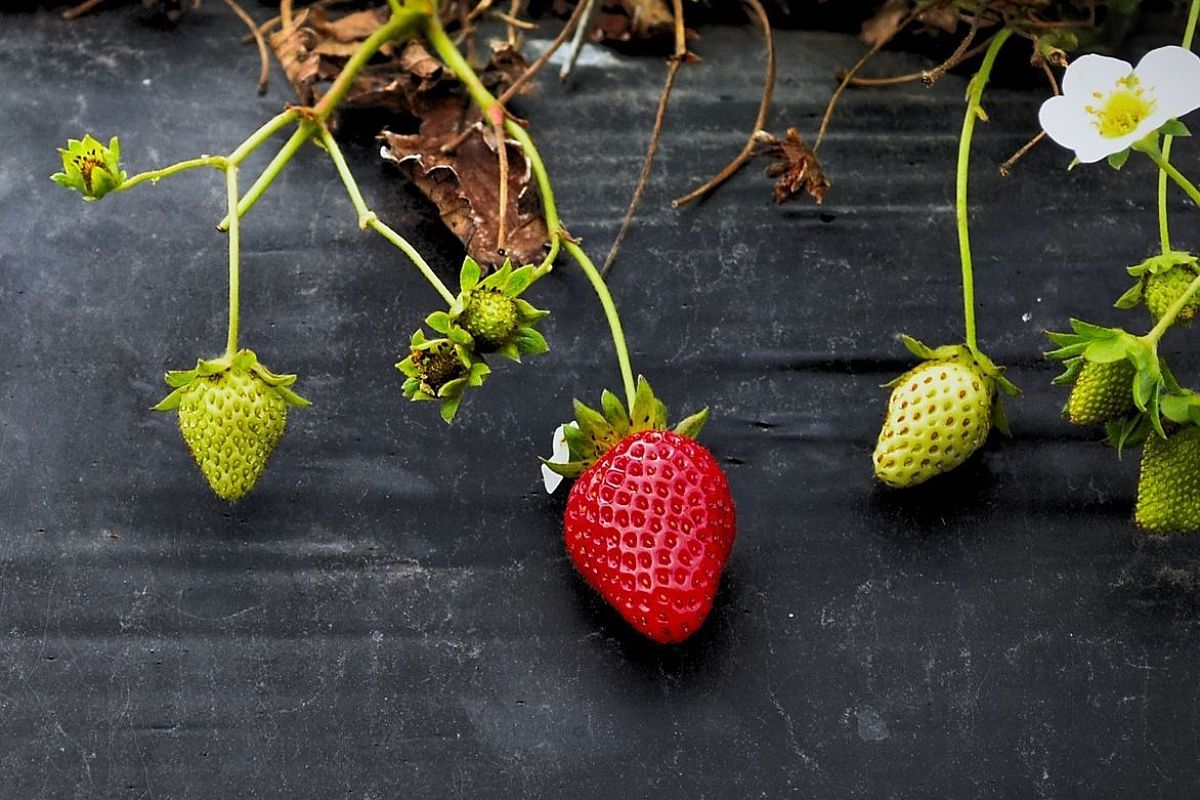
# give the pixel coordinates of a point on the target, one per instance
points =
(796, 169)
(634, 20)
(885, 23)
(464, 184)
(406, 81)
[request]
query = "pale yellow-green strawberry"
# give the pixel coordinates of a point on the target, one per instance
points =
(939, 413)
(232, 414)
(1102, 392)
(1162, 289)
(1168, 498)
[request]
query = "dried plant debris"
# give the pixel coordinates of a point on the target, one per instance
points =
(633, 20)
(454, 160)
(796, 169)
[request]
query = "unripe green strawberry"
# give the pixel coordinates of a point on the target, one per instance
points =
(490, 316)
(1102, 392)
(232, 414)
(1162, 289)
(1169, 486)
(940, 412)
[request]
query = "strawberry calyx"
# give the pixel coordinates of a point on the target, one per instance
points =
(90, 168)
(973, 358)
(492, 313)
(600, 431)
(442, 369)
(241, 361)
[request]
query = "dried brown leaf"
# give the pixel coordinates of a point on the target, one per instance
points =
(796, 169)
(885, 23)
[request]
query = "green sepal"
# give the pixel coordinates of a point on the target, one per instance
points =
(614, 412)
(1128, 432)
(1133, 295)
(90, 168)
(1117, 160)
(468, 276)
(569, 470)
(243, 360)
(598, 432)
(691, 426)
(1174, 127)
(1163, 262)
(1000, 418)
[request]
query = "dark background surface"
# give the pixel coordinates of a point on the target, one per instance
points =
(391, 612)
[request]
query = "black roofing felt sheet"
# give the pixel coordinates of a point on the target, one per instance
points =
(391, 612)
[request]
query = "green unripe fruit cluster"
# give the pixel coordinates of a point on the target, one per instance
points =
(490, 316)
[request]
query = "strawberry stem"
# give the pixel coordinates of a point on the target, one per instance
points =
(1164, 231)
(974, 96)
(368, 219)
(1150, 148)
(489, 105)
(231, 196)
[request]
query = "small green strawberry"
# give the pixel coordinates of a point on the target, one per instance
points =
(492, 312)
(1169, 486)
(232, 413)
(1162, 279)
(1164, 288)
(1102, 392)
(939, 413)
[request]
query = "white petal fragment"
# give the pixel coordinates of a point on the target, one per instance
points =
(561, 454)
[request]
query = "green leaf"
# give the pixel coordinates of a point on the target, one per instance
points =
(691, 426)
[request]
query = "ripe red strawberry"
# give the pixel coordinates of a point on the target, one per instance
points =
(650, 522)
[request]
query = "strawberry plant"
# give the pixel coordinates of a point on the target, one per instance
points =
(942, 411)
(1108, 110)
(650, 521)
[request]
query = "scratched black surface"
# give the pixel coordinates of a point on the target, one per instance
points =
(391, 613)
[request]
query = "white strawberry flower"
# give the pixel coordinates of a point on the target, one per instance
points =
(561, 455)
(1106, 105)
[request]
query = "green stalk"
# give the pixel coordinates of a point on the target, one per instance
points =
(231, 197)
(155, 175)
(974, 97)
(1164, 232)
(368, 219)
(402, 21)
(1151, 150)
(218, 162)
(268, 176)
(610, 312)
(488, 104)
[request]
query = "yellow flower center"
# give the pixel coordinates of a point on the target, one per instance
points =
(1123, 110)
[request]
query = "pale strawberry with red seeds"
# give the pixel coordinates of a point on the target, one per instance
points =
(650, 522)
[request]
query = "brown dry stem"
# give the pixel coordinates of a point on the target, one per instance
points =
(760, 121)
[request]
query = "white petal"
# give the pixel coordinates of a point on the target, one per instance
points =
(1171, 75)
(561, 454)
(1066, 122)
(550, 479)
(1093, 73)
